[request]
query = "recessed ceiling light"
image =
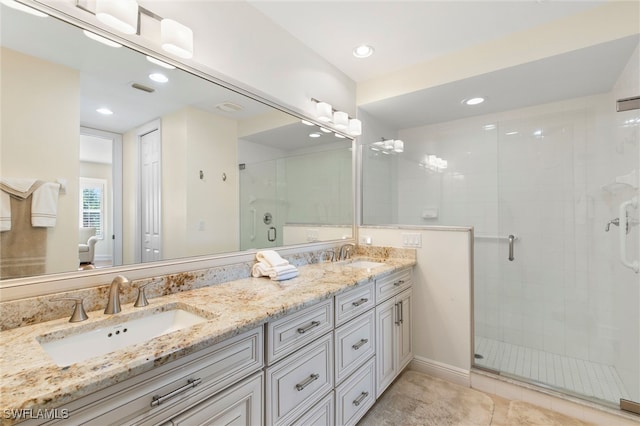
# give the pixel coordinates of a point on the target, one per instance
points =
(363, 51)
(160, 63)
(473, 101)
(314, 135)
(104, 111)
(100, 39)
(158, 78)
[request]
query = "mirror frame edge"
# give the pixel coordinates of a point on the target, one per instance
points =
(39, 285)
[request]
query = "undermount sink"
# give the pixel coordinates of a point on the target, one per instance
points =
(81, 346)
(362, 264)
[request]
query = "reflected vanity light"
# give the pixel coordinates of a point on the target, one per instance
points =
(160, 63)
(158, 78)
(398, 146)
(100, 39)
(314, 135)
(104, 111)
(307, 123)
(489, 126)
(121, 15)
(325, 130)
(23, 8)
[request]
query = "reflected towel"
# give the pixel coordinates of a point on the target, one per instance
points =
(271, 258)
(5, 212)
(44, 207)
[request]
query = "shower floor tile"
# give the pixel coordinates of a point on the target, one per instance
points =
(576, 375)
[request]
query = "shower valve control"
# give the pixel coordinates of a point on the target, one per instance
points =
(615, 222)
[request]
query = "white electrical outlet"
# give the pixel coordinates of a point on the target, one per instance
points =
(365, 240)
(412, 240)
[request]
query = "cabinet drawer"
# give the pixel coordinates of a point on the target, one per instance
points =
(239, 405)
(354, 344)
(322, 414)
(299, 381)
(393, 284)
(292, 332)
(129, 402)
(354, 302)
(356, 395)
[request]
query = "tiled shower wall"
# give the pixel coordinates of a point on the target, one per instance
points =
(548, 184)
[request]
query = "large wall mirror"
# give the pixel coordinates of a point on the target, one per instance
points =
(160, 164)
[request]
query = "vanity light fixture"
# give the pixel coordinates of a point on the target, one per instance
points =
(176, 38)
(158, 78)
(363, 51)
(125, 16)
(160, 63)
(398, 146)
(121, 15)
(23, 8)
(104, 111)
(100, 39)
(324, 111)
(339, 119)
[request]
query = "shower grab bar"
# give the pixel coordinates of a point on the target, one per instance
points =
(622, 233)
(510, 238)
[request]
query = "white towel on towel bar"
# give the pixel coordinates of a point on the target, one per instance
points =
(5, 212)
(20, 187)
(271, 258)
(44, 206)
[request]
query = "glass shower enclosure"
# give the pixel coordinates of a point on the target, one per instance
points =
(551, 190)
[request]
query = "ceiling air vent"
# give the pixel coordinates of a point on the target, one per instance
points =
(229, 107)
(143, 88)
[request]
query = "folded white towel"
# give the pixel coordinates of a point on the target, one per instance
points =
(281, 273)
(44, 206)
(5, 212)
(259, 269)
(271, 257)
(19, 187)
(276, 273)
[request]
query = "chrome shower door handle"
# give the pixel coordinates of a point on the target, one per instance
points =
(512, 239)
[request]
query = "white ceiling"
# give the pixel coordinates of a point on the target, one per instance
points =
(404, 33)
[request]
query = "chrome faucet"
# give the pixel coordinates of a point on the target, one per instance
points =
(346, 251)
(113, 304)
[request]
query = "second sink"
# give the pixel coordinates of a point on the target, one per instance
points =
(81, 346)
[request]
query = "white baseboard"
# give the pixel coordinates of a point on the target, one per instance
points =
(440, 370)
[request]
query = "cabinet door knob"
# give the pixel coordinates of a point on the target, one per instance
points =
(398, 283)
(309, 380)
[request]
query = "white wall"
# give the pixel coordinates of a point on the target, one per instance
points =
(29, 130)
(441, 297)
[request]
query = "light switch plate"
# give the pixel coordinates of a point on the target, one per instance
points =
(412, 240)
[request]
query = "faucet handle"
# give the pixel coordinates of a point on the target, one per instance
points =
(142, 298)
(79, 313)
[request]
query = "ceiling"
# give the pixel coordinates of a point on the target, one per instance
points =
(405, 33)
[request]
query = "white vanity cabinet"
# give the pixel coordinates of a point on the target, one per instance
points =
(178, 388)
(393, 327)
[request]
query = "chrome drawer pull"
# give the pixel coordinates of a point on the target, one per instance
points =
(191, 383)
(311, 378)
(397, 313)
(360, 302)
(361, 398)
(303, 330)
(399, 282)
(360, 343)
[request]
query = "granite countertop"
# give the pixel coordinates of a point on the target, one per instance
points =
(31, 380)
